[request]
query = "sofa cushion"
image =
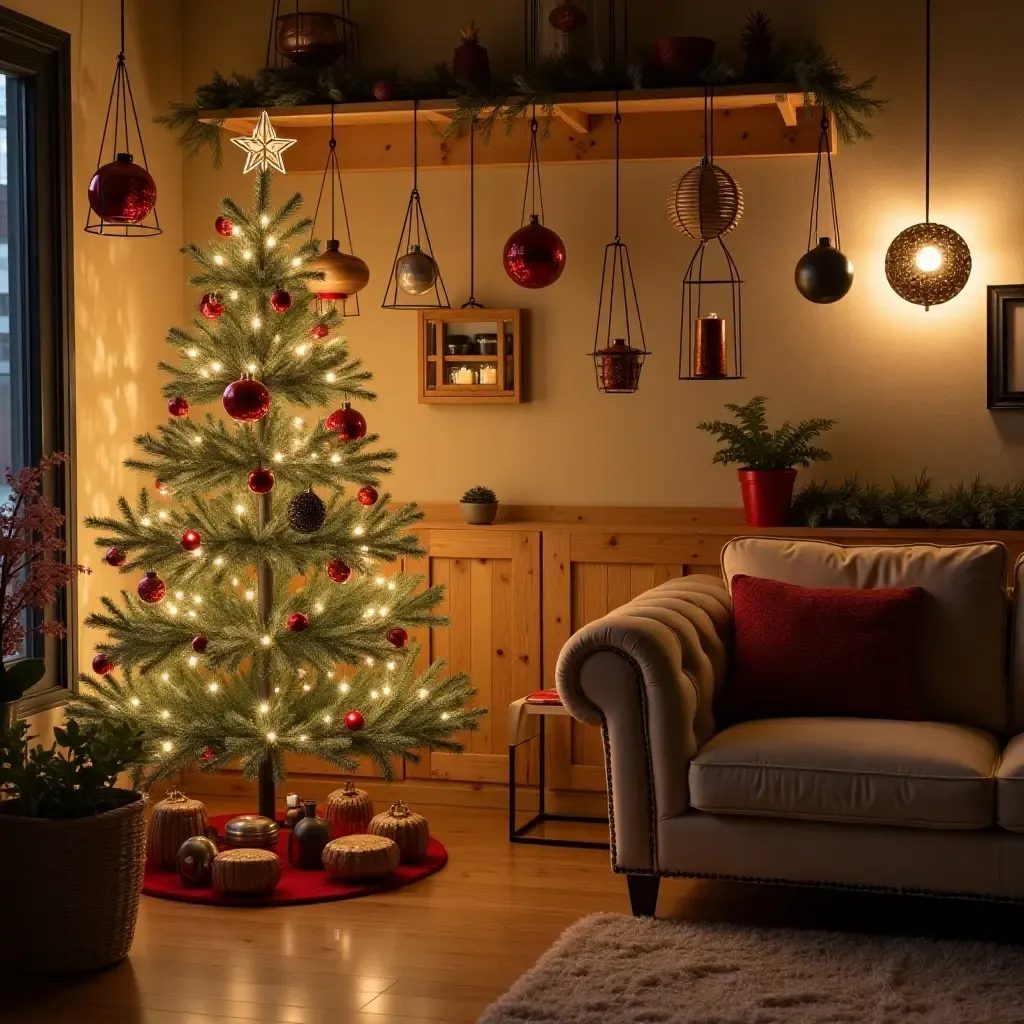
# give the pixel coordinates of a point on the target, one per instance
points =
(960, 668)
(1010, 786)
(923, 774)
(822, 651)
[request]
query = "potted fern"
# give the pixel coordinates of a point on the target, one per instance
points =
(767, 458)
(479, 506)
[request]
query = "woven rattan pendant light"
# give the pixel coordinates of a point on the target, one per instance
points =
(928, 263)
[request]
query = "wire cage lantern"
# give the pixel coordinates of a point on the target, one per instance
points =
(414, 272)
(122, 192)
(314, 39)
(619, 345)
(345, 274)
(584, 29)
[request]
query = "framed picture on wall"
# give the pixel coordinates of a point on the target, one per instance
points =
(1006, 346)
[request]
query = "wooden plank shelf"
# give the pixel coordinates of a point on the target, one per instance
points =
(657, 124)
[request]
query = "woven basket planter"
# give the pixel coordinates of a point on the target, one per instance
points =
(71, 888)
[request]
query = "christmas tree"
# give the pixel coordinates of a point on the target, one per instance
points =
(261, 622)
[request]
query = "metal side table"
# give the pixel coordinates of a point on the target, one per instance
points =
(521, 717)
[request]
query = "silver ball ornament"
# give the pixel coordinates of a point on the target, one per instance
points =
(195, 861)
(416, 272)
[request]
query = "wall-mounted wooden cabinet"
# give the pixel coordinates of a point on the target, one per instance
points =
(470, 356)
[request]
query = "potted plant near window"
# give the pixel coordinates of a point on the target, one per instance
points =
(72, 848)
(767, 458)
(479, 506)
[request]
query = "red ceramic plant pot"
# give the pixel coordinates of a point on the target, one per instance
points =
(767, 494)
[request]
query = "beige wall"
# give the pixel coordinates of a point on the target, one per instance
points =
(127, 292)
(907, 386)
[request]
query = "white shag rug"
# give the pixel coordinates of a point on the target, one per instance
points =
(611, 969)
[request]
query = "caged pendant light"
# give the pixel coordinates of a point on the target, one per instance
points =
(928, 263)
(823, 274)
(415, 272)
(345, 274)
(619, 360)
(312, 39)
(122, 193)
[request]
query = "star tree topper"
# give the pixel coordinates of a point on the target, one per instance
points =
(263, 148)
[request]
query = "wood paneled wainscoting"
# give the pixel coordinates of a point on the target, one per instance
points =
(514, 593)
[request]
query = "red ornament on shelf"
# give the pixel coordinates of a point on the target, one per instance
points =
(281, 300)
(367, 496)
(297, 622)
(338, 570)
(224, 226)
(122, 192)
(320, 331)
(354, 721)
(177, 407)
(383, 91)
(261, 481)
(398, 637)
(210, 306)
(102, 665)
(199, 644)
(348, 423)
(191, 541)
(161, 488)
(152, 589)
(114, 556)
(567, 18)
(246, 400)
(534, 255)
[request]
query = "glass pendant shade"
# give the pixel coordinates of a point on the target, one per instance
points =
(928, 264)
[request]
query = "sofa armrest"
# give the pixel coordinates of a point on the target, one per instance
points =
(647, 673)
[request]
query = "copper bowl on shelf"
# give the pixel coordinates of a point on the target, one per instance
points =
(311, 38)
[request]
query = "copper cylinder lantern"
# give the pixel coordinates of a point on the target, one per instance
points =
(710, 348)
(618, 367)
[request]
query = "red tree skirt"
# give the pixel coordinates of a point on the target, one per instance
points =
(295, 886)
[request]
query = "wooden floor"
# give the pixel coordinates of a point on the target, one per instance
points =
(439, 950)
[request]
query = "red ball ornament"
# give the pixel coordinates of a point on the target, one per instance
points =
(367, 496)
(338, 570)
(320, 331)
(534, 255)
(177, 407)
(224, 226)
(102, 665)
(210, 306)
(199, 644)
(207, 755)
(383, 91)
(246, 400)
(281, 300)
(152, 589)
(114, 556)
(567, 18)
(122, 192)
(261, 481)
(348, 423)
(354, 721)
(161, 488)
(190, 540)
(297, 622)
(398, 637)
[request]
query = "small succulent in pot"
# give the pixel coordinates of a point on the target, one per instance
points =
(479, 506)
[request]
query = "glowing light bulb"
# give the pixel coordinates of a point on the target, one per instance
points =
(250, 595)
(135, 702)
(369, 661)
(928, 259)
(247, 254)
(296, 262)
(234, 581)
(358, 531)
(423, 694)
(374, 694)
(271, 241)
(197, 439)
(335, 458)
(240, 509)
(251, 367)
(344, 687)
(213, 687)
(319, 606)
(236, 230)
(306, 687)
(277, 689)
(271, 737)
(330, 378)
(219, 260)
(216, 367)
(303, 738)
(193, 661)
(191, 353)
(301, 350)
(444, 716)
(384, 611)
(180, 594)
(278, 457)
(145, 521)
(386, 691)
(204, 373)
(191, 614)
(392, 666)
(380, 581)
(265, 641)
(264, 708)
(297, 422)
(162, 515)
(165, 676)
(264, 220)
(165, 714)
(257, 323)
(327, 719)
(363, 547)
(168, 746)
(218, 560)
(391, 586)
(330, 675)
(234, 296)
(198, 599)
(172, 609)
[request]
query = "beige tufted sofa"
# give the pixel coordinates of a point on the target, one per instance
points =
(934, 806)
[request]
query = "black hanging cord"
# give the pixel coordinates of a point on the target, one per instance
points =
(534, 188)
(332, 166)
(927, 108)
(471, 302)
(618, 121)
(415, 147)
(824, 147)
(709, 124)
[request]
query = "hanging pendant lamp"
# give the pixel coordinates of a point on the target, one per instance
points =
(471, 302)
(415, 272)
(619, 345)
(122, 193)
(534, 256)
(928, 263)
(711, 320)
(345, 274)
(823, 274)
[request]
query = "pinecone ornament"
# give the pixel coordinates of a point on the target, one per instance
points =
(306, 512)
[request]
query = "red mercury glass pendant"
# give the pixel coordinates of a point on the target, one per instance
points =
(534, 256)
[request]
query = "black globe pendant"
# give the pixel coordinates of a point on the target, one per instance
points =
(823, 274)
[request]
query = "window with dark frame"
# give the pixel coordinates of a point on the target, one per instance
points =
(36, 292)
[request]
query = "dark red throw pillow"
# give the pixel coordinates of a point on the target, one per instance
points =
(808, 651)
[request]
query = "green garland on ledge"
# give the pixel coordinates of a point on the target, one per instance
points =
(819, 75)
(974, 506)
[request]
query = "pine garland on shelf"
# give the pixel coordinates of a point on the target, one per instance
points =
(973, 506)
(818, 74)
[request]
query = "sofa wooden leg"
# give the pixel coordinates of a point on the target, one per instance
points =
(643, 894)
